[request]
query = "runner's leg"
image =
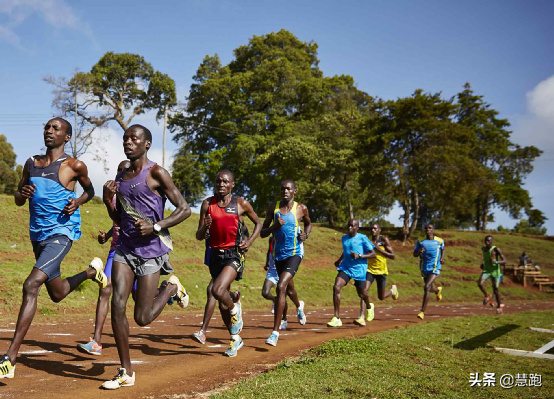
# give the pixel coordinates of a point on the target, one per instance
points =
(149, 306)
(122, 282)
(210, 306)
(337, 287)
(102, 308)
(429, 279)
(284, 279)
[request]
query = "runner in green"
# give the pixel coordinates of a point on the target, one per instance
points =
(491, 269)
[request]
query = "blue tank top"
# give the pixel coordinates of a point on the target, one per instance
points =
(47, 203)
(286, 242)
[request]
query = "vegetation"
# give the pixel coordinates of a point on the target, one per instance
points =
(314, 281)
(10, 173)
(428, 359)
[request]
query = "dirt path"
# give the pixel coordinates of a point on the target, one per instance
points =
(167, 362)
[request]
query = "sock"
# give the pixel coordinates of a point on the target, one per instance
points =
(235, 337)
(275, 332)
(235, 310)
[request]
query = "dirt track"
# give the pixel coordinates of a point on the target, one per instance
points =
(167, 361)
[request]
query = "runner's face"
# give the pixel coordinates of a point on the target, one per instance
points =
(353, 227)
(429, 230)
(375, 230)
(54, 134)
(287, 191)
(488, 242)
(134, 143)
(224, 184)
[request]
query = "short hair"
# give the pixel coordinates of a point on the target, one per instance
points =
(226, 171)
(487, 237)
(375, 224)
(429, 224)
(289, 181)
(147, 133)
(68, 127)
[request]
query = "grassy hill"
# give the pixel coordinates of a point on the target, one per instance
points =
(314, 281)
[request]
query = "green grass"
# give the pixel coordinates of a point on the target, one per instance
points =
(313, 282)
(428, 359)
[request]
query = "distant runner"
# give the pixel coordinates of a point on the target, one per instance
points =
(220, 215)
(430, 251)
(142, 250)
(48, 182)
(288, 249)
(377, 270)
(491, 269)
(352, 264)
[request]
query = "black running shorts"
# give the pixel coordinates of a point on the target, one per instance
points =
(290, 265)
(219, 258)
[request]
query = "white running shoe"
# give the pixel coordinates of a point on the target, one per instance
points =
(283, 325)
(181, 296)
(120, 380)
(300, 314)
(273, 309)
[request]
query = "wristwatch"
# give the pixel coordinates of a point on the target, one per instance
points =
(157, 228)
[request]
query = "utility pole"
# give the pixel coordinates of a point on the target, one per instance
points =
(75, 132)
(165, 126)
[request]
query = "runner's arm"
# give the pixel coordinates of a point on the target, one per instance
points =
(307, 223)
(249, 211)
(267, 228)
(503, 259)
(165, 183)
(202, 227)
(339, 260)
(108, 193)
(81, 170)
(387, 252)
(24, 190)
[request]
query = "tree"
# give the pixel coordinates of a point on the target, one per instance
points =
(10, 173)
(525, 227)
(504, 164)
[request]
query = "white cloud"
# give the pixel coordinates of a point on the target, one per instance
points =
(56, 12)
(541, 100)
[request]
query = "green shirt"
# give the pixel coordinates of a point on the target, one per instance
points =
(488, 266)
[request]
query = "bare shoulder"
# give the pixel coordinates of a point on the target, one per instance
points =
(158, 173)
(77, 165)
(242, 202)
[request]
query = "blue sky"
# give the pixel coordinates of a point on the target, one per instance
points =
(503, 48)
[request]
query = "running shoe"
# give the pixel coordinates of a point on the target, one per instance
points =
(181, 296)
(500, 309)
(236, 321)
(360, 321)
(273, 308)
(171, 300)
(487, 299)
(93, 347)
(439, 294)
(237, 294)
(99, 277)
(394, 292)
(370, 312)
(6, 368)
(300, 314)
(421, 315)
(283, 325)
(200, 336)
(234, 346)
(335, 322)
(121, 379)
(492, 303)
(272, 340)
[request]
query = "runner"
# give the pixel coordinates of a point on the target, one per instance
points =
(271, 280)
(377, 270)
(200, 336)
(288, 249)
(142, 250)
(220, 215)
(48, 182)
(94, 346)
(491, 269)
(430, 251)
(352, 264)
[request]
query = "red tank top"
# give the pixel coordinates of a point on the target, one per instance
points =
(226, 229)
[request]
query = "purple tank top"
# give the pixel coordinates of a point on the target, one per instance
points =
(144, 200)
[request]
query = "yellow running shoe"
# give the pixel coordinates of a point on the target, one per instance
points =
(360, 321)
(335, 322)
(6, 368)
(370, 312)
(394, 292)
(439, 294)
(100, 277)
(421, 315)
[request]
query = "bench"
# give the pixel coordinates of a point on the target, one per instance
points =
(546, 284)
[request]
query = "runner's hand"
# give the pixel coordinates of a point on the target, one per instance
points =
(280, 222)
(71, 207)
(109, 191)
(302, 236)
(208, 221)
(266, 267)
(143, 228)
(354, 255)
(102, 237)
(337, 263)
(244, 245)
(421, 251)
(28, 190)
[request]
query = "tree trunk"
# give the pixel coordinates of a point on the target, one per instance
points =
(406, 205)
(331, 220)
(350, 209)
(484, 213)
(416, 211)
(477, 214)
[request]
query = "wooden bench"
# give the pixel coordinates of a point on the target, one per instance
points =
(546, 284)
(531, 274)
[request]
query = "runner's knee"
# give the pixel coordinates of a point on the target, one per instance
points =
(266, 292)
(31, 287)
(218, 291)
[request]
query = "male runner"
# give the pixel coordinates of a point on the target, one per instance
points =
(271, 280)
(491, 269)
(377, 270)
(209, 308)
(48, 182)
(143, 245)
(288, 249)
(430, 250)
(220, 215)
(94, 346)
(352, 264)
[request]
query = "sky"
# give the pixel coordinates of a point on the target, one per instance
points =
(503, 48)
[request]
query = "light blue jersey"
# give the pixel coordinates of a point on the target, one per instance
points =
(47, 203)
(286, 242)
(430, 260)
(359, 244)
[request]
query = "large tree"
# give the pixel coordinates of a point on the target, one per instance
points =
(10, 173)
